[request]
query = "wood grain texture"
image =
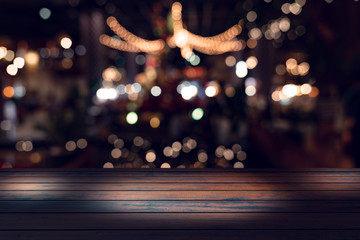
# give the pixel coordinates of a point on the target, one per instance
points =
(194, 195)
(183, 234)
(179, 204)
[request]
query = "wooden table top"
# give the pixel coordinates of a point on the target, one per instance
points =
(179, 204)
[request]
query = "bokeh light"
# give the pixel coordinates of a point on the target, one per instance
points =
(197, 114)
(66, 42)
(131, 118)
(45, 13)
(154, 122)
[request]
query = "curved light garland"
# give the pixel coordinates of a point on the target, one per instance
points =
(182, 38)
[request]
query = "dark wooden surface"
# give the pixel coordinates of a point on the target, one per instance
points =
(179, 204)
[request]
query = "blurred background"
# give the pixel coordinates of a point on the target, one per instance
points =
(286, 95)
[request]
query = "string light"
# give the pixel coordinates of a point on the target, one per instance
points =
(138, 42)
(182, 38)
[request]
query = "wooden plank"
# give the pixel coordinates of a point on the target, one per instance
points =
(206, 221)
(179, 195)
(180, 180)
(171, 173)
(177, 186)
(178, 206)
(188, 170)
(184, 235)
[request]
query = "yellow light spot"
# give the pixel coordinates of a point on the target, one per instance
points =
(81, 143)
(304, 68)
(8, 92)
(197, 114)
(290, 90)
(111, 74)
(168, 151)
(131, 118)
(291, 63)
(108, 165)
(228, 154)
(70, 146)
(66, 42)
(116, 153)
(165, 165)
(27, 146)
(280, 69)
(181, 38)
(19, 62)
(32, 58)
(176, 146)
(230, 91)
(275, 96)
(12, 70)
(250, 91)
(35, 157)
(251, 43)
(202, 156)
(305, 88)
(138, 141)
(238, 165)
(241, 156)
(154, 122)
(210, 91)
(9, 55)
(230, 61)
(3, 52)
(150, 156)
(251, 62)
(314, 92)
(219, 152)
(66, 63)
(255, 33)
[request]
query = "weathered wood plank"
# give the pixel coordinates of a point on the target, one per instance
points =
(178, 206)
(91, 195)
(177, 186)
(184, 235)
(188, 170)
(180, 180)
(175, 172)
(206, 221)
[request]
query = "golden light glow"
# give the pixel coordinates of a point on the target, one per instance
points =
(3, 52)
(212, 89)
(251, 62)
(154, 122)
(111, 74)
(304, 68)
(251, 43)
(291, 63)
(165, 165)
(305, 88)
(19, 62)
(108, 165)
(9, 55)
(32, 58)
(150, 156)
(314, 92)
(290, 90)
(230, 91)
(133, 42)
(230, 61)
(70, 146)
(8, 92)
(66, 63)
(182, 38)
(35, 157)
(66, 42)
(12, 70)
